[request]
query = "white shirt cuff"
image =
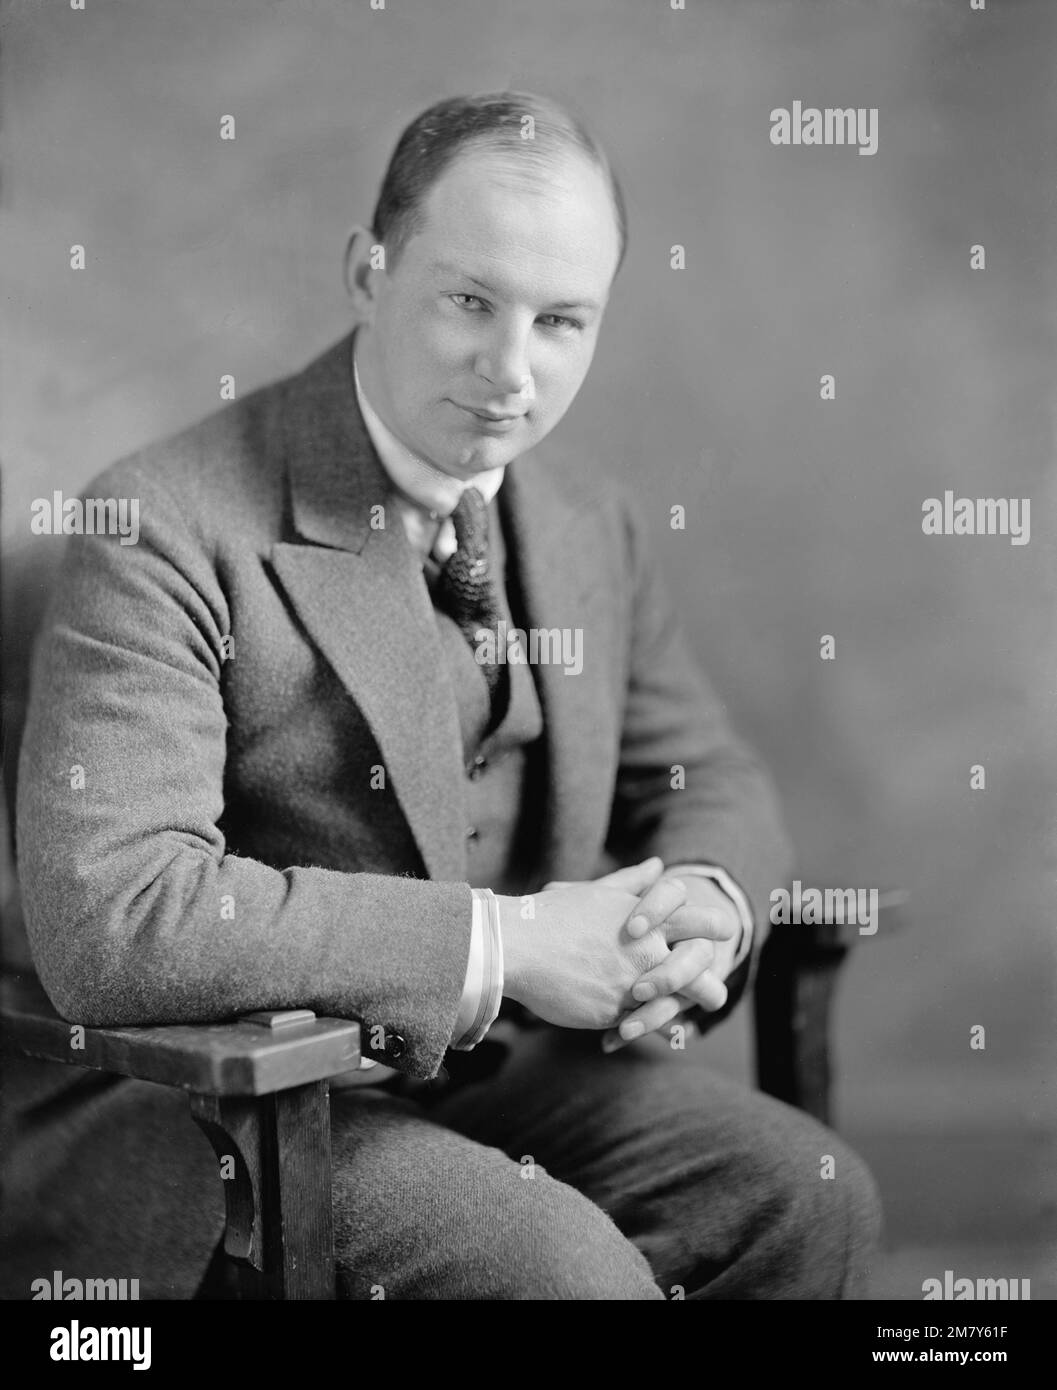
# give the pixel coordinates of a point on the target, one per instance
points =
(482, 991)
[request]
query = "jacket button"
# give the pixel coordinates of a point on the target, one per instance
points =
(476, 767)
(472, 833)
(395, 1046)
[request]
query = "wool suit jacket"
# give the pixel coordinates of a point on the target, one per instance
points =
(230, 685)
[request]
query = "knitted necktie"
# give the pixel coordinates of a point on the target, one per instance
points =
(467, 593)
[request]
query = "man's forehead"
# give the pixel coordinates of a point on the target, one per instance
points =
(547, 223)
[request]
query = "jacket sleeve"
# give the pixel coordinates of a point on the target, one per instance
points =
(688, 789)
(136, 912)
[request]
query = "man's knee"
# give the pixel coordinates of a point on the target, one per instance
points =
(856, 1191)
(445, 1218)
(826, 1209)
(786, 1210)
(549, 1242)
(520, 1239)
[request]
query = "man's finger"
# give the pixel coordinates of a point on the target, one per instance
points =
(706, 990)
(656, 906)
(681, 966)
(642, 1021)
(613, 1042)
(713, 923)
(633, 878)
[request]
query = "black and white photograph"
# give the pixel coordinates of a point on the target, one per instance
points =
(529, 667)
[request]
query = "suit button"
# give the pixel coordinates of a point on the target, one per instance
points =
(476, 767)
(472, 833)
(395, 1046)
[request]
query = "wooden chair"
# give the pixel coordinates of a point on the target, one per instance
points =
(259, 1089)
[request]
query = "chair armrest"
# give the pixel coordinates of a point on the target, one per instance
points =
(809, 937)
(254, 1056)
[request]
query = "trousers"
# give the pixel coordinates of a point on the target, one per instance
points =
(572, 1174)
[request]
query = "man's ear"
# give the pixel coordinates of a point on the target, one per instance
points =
(364, 263)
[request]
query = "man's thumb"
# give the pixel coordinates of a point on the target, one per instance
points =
(636, 878)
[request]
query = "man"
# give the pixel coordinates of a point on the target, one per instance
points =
(317, 774)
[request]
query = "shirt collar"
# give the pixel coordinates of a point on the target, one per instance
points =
(436, 492)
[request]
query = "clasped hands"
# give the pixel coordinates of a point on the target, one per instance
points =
(626, 953)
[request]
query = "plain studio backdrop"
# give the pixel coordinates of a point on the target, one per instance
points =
(206, 257)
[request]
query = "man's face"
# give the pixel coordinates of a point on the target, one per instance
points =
(477, 341)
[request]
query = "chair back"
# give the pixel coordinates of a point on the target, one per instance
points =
(30, 570)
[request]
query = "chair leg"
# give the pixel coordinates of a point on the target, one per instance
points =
(274, 1154)
(793, 995)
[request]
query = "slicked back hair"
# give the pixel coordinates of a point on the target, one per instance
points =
(521, 125)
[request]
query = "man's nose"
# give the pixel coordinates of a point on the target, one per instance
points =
(505, 365)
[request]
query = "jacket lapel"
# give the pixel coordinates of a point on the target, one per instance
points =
(361, 595)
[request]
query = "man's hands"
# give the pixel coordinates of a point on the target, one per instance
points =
(662, 991)
(572, 961)
(629, 941)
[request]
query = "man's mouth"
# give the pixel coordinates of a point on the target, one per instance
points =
(497, 420)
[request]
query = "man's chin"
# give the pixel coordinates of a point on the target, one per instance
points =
(481, 457)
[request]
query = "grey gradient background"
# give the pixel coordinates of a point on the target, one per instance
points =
(207, 257)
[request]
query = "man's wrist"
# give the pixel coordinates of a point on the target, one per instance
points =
(512, 931)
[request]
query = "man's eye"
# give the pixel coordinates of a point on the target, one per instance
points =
(467, 301)
(559, 321)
